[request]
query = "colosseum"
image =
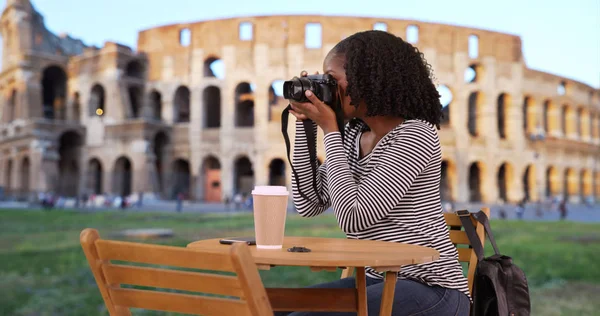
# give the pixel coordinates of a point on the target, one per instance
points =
(195, 109)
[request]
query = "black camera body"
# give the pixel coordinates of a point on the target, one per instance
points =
(323, 86)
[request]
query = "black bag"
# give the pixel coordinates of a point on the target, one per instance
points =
(499, 286)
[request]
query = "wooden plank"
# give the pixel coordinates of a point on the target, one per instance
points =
(318, 269)
(464, 254)
(347, 272)
(361, 289)
(252, 286)
(170, 279)
(88, 239)
(163, 255)
(312, 299)
(179, 303)
(387, 269)
(452, 219)
(387, 297)
(459, 237)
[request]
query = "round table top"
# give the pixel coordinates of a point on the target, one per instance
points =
(334, 252)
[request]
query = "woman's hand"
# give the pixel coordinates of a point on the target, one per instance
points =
(315, 110)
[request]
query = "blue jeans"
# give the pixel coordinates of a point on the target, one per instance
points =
(410, 298)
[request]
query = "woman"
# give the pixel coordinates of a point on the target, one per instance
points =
(383, 178)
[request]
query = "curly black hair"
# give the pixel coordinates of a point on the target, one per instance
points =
(390, 75)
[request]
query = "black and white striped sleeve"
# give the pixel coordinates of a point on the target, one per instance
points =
(301, 162)
(360, 206)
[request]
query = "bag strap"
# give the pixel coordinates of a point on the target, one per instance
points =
(483, 219)
(465, 219)
(310, 139)
(309, 131)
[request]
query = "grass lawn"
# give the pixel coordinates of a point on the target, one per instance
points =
(43, 270)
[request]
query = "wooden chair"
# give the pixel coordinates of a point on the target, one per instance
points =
(458, 237)
(246, 286)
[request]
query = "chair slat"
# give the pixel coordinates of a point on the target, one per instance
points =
(163, 255)
(459, 237)
(170, 279)
(464, 254)
(179, 303)
(453, 220)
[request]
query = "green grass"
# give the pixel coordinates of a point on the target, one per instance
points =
(43, 270)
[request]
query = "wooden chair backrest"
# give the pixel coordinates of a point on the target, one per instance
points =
(459, 237)
(242, 293)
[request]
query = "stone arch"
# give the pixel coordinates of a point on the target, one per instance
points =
(579, 122)
(95, 176)
(587, 183)
(569, 120)
(447, 181)
(585, 124)
(571, 183)
(412, 34)
(476, 173)
(70, 144)
(181, 178)
(277, 172)
(54, 91)
(595, 126)
(504, 180)
(529, 183)
(597, 181)
(211, 99)
(214, 67)
(276, 99)
(562, 88)
(546, 116)
(473, 48)
(502, 105)
(76, 105)
(446, 97)
(160, 145)
(243, 175)
(155, 99)
(476, 101)
(135, 69)
(8, 180)
(211, 176)
(244, 105)
(181, 105)
(135, 93)
(11, 109)
(122, 177)
(552, 182)
(473, 73)
(553, 120)
(25, 176)
(530, 115)
(97, 100)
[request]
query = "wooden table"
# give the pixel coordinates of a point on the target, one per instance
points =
(330, 254)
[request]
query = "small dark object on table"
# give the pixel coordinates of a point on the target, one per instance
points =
(298, 249)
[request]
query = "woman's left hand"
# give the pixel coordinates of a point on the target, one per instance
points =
(317, 111)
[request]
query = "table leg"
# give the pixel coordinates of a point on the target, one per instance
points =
(387, 297)
(361, 288)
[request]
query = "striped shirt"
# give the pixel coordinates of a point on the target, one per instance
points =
(391, 194)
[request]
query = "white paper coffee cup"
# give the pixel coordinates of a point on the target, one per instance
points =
(270, 210)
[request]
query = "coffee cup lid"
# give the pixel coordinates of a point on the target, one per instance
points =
(270, 190)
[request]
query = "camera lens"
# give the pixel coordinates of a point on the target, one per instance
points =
(294, 89)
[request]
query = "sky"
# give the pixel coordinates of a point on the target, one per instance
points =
(559, 37)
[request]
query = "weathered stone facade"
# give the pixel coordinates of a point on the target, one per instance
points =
(159, 120)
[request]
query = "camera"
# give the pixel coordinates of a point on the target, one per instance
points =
(323, 86)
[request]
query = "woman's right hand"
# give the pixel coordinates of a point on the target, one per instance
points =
(299, 116)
